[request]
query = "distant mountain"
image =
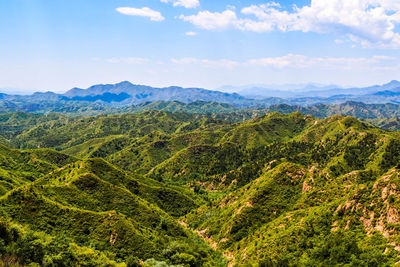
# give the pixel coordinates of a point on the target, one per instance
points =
(356, 91)
(387, 93)
(141, 94)
(300, 87)
(310, 94)
(293, 91)
(106, 98)
(282, 91)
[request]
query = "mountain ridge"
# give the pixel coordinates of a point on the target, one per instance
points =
(142, 93)
(124, 94)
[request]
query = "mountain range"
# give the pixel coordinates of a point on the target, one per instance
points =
(127, 94)
(140, 93)
(277, 90)
(306, 90)
(311, 94)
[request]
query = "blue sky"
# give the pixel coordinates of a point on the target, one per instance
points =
(59, 44)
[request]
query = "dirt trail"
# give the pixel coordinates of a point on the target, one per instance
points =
(214, 245)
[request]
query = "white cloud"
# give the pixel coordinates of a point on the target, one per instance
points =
(298, 62)
(143, 12)
(191, 33)
(184, 3)
(289, 61)
(212, 21)
(371, 23)
(221, 63)
(128, 60)
(340, 63)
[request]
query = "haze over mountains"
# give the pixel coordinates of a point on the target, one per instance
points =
(126, 93)
(374, 102)
(141, 93)
(306, 90)
(306, 94)
(260, 91)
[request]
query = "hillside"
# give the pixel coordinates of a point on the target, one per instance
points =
(201, 190)
(62, 134)
(19, 168)
(350, 108)
(90, 212)
(26, 130)
(391, 124)
(325, 192)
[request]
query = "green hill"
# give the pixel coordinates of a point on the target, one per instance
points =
(161, 189)
(319, 195)
(391, 124)
(94, 205)
(72, 132)
(18, 168)
(198, 107)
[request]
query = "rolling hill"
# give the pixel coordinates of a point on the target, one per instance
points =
(158, 188)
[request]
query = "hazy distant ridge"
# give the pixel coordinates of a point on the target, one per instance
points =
(125, 94)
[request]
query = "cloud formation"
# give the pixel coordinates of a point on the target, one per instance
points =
(184, 3)
(221, 63)
(213, 20)
(371, 23)
(191, 33)
(298, 62)
(143, 12)
(128, 60)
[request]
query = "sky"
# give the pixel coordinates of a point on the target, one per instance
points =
(59, 44)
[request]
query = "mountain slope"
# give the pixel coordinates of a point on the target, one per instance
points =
(68, 133)
(22, 167)
(93, 204)
(316, 197)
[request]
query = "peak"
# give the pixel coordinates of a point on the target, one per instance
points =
(124, 83)
(393, 82)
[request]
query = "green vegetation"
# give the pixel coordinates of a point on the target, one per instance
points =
(390, 124)
(185, 189)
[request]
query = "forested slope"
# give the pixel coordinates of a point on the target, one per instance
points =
(185, 189)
